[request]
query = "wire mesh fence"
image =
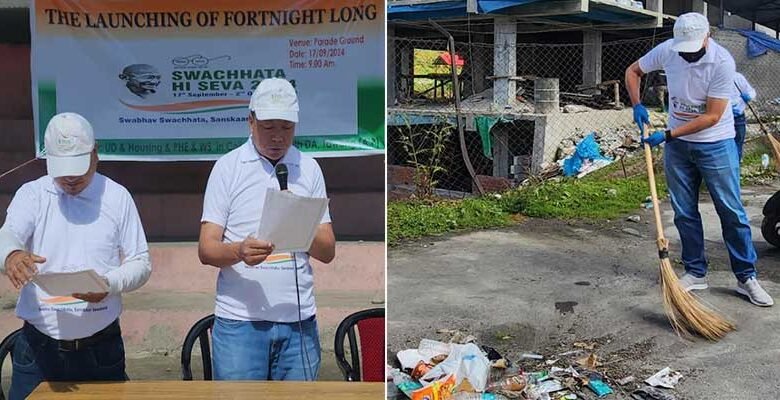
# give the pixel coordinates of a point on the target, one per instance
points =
(525, 107)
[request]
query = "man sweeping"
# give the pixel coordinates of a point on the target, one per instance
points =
(699, 145)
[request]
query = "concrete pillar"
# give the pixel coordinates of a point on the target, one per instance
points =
(591, 59)
(540, 144)
(391, 79)
(546, 96)
(504, 61)
(500, 151)
(504, 89)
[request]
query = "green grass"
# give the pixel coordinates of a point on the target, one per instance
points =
(582, 199)
(604, 194)
(592, 197)
(752, 172)
(408, 220)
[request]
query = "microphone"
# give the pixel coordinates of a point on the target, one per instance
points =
(281, 175)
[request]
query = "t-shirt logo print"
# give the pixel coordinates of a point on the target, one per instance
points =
(686, 112)
(274, 261)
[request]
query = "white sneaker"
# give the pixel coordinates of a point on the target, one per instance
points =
(755, 293)
(691, 282)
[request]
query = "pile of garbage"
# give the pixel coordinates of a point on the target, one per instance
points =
(583, 153)
(464, 370)
(611, 142)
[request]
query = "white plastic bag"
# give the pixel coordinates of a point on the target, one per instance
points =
(466, 362)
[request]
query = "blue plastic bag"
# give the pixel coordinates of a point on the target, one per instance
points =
(587, 149)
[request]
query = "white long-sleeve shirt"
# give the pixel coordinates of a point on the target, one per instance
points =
(97, 229)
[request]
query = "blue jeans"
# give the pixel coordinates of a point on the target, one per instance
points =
(260, 350)
(740, 126)
(686, 164)
(37, 358)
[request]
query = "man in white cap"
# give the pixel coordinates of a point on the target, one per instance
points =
(265, 326)
(700, 146)
(72, 219)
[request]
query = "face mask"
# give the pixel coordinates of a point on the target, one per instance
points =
(693, 57)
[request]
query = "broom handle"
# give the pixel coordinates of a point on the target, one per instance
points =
(755, 114)
(654, 194)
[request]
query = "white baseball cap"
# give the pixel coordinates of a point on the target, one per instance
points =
(275, 98)
(689, 32)
(69, 141)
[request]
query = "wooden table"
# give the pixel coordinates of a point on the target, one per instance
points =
(197, 390)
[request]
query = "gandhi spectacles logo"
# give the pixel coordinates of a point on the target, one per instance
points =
(195, 61)
(278, 98)
(141, 79)
(66, 143)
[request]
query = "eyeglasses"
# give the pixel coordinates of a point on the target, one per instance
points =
(147, 77)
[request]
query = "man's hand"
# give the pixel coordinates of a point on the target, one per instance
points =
(641, 117)
(655, 139)
(745, 97)
(90, 297)
(253, 251)
(20, 267)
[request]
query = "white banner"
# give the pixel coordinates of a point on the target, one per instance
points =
(172, 80)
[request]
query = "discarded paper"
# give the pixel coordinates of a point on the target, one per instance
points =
(664, 378)
(589, 362)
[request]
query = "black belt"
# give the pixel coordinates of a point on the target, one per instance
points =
(110, 331)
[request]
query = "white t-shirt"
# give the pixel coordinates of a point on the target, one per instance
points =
(95, 229)
(690, 84)
(234, 200)
(738, 105)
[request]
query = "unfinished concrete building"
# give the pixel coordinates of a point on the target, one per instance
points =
(530, 76)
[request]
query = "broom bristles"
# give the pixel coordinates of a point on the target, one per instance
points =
(686, 313)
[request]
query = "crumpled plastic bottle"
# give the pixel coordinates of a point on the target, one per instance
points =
(403, 383)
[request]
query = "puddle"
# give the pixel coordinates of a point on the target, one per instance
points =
(565, 306)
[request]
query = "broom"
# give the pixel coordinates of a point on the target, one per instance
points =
(772, 141)
(683, 309)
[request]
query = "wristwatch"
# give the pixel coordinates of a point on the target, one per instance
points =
(668, 135)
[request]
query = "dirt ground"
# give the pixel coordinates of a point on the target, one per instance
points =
(543, 285)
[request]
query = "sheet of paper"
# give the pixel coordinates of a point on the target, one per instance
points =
(67, 283)
(290, 221)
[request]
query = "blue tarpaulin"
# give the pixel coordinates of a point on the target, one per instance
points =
(758, 43)
(443, 9)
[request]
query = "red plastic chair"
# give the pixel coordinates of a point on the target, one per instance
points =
(368, 356)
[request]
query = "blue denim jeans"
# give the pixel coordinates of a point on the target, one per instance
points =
(37, 358)
(260, 350)
(686, 164)
(740, 126)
